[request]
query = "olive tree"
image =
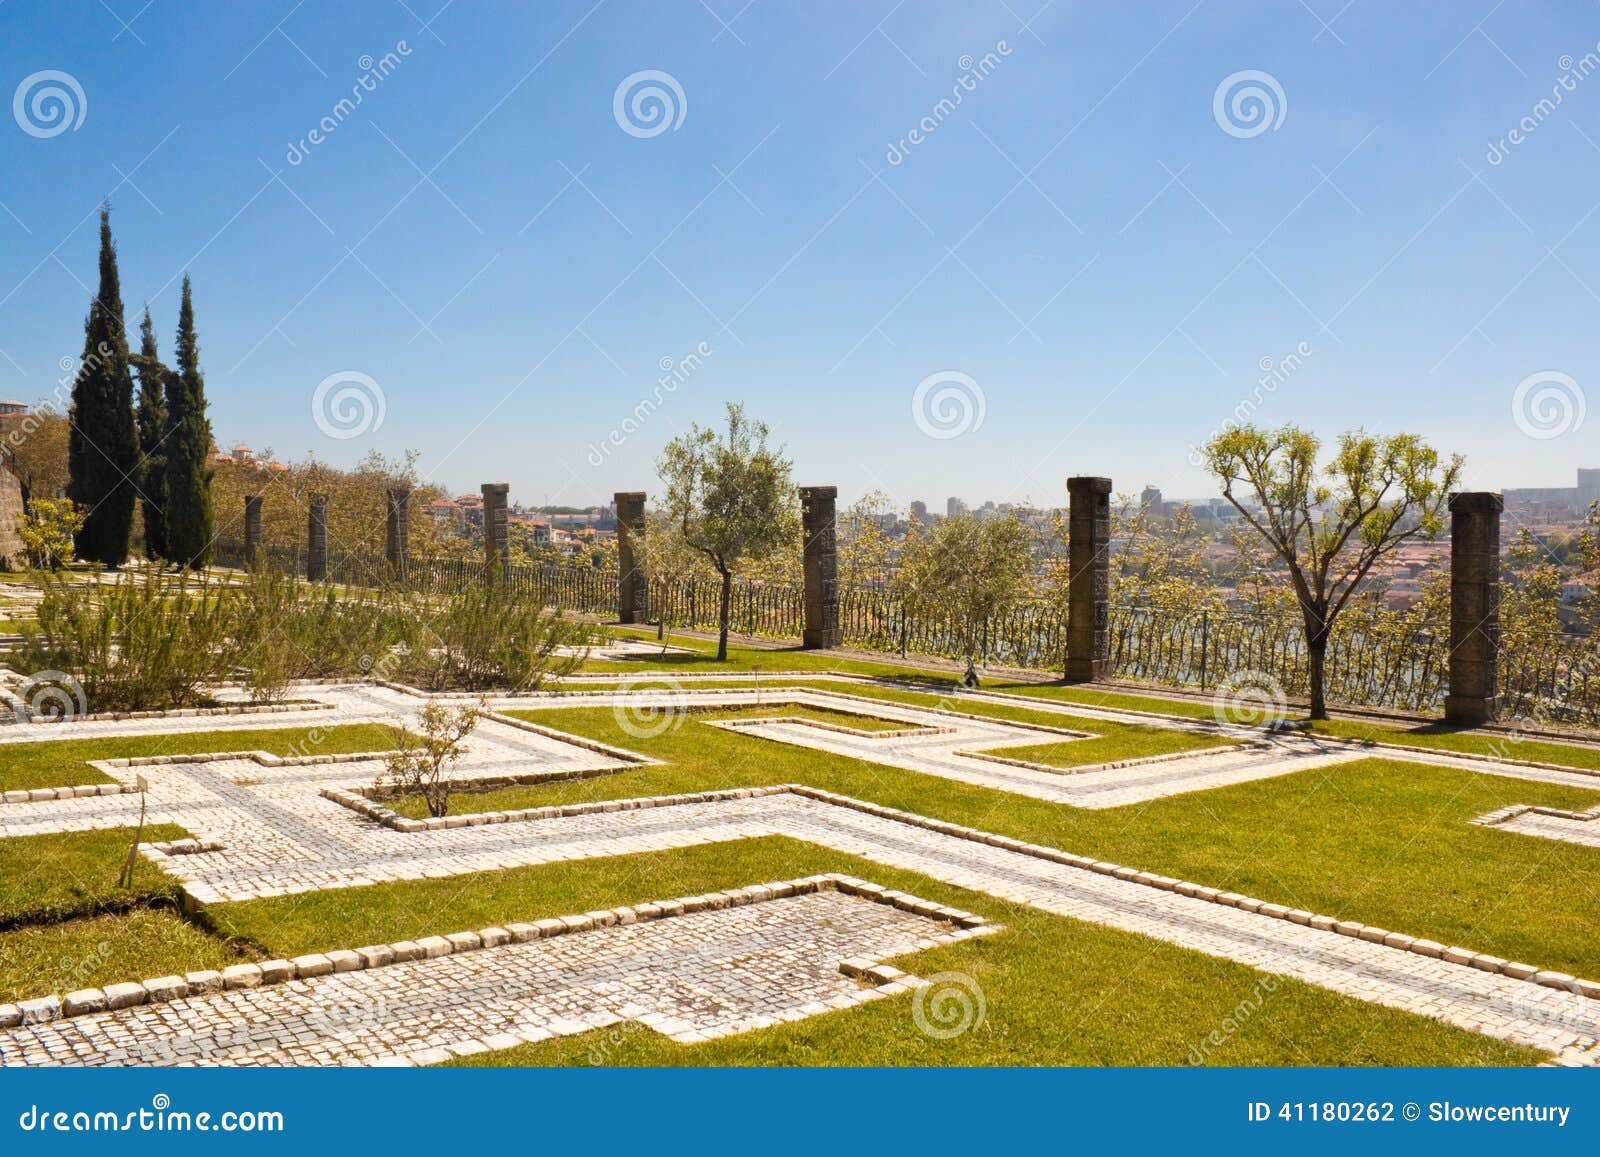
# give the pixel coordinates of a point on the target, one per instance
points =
(1331, 524)
(967, 571)
(730, 498)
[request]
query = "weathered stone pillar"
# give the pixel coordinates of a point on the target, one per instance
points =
(252, 528)
(818, 518)
(317, 539)
(397, 537)
(1089, 587)
(1474, 608)
(633, 585)
(496, 541)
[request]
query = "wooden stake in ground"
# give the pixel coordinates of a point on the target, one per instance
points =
(126, 879)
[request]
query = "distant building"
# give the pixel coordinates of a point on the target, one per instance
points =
(1150, 502)
(954, 508)
(1557, 499)
(11, 407)
(919, 510)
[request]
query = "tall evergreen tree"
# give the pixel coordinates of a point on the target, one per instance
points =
(152, 435)
(189, 530)
(103, 446)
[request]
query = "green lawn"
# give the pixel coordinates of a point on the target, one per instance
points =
(54, 877)
(94, 951)
(1383, 842)
(1057, 991)
(65, 763)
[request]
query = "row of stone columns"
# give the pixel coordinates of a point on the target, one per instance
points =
(1474, 585)
(396, 547)
(1474, 574)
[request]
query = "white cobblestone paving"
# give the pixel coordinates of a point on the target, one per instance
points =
(280, 836)
(1548, 823)
(691, 977)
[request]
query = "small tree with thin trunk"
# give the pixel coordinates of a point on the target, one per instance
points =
(1331, 525)
(418, 766)
(731, 499)
(966, 571)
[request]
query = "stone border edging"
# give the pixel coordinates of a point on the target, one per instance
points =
(112, 997)
(1118, 764)
(1496, 818)
(81, 791)
(391, 819)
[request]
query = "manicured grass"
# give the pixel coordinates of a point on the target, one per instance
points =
(863, 722)
(1382, 842)
(65, 763)
(745, 660)
(37, 960)
(1056, 991)
(1115, 746)
(53, 877)
(1443, 738)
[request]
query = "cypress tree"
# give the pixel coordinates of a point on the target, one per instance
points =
(103, 442)
(189, 529)
(152, 433)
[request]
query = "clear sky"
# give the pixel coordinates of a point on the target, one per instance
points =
(1107, 248)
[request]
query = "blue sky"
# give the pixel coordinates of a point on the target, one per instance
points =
(1082, 237)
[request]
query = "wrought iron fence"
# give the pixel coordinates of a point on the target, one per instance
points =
(1554, 682)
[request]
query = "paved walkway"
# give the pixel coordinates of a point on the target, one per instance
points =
(281, 836)
(690, 977)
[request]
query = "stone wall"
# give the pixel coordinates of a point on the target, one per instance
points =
(12, 555)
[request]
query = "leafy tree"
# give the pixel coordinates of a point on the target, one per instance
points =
(965, 570)
(1330, 526)
(731, 499)
(103, 444)
(37, 445)
(47, 529)
(189, 531)
(1530, 595)
(866, 552)
(1160, 561)
(152, 419)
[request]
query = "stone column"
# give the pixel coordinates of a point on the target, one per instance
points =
(252, 528)
(496, 543)
(633, 585)
(818, 518)
(317, 539)
(1089, 587)
(1474, 608)
(397, 538)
